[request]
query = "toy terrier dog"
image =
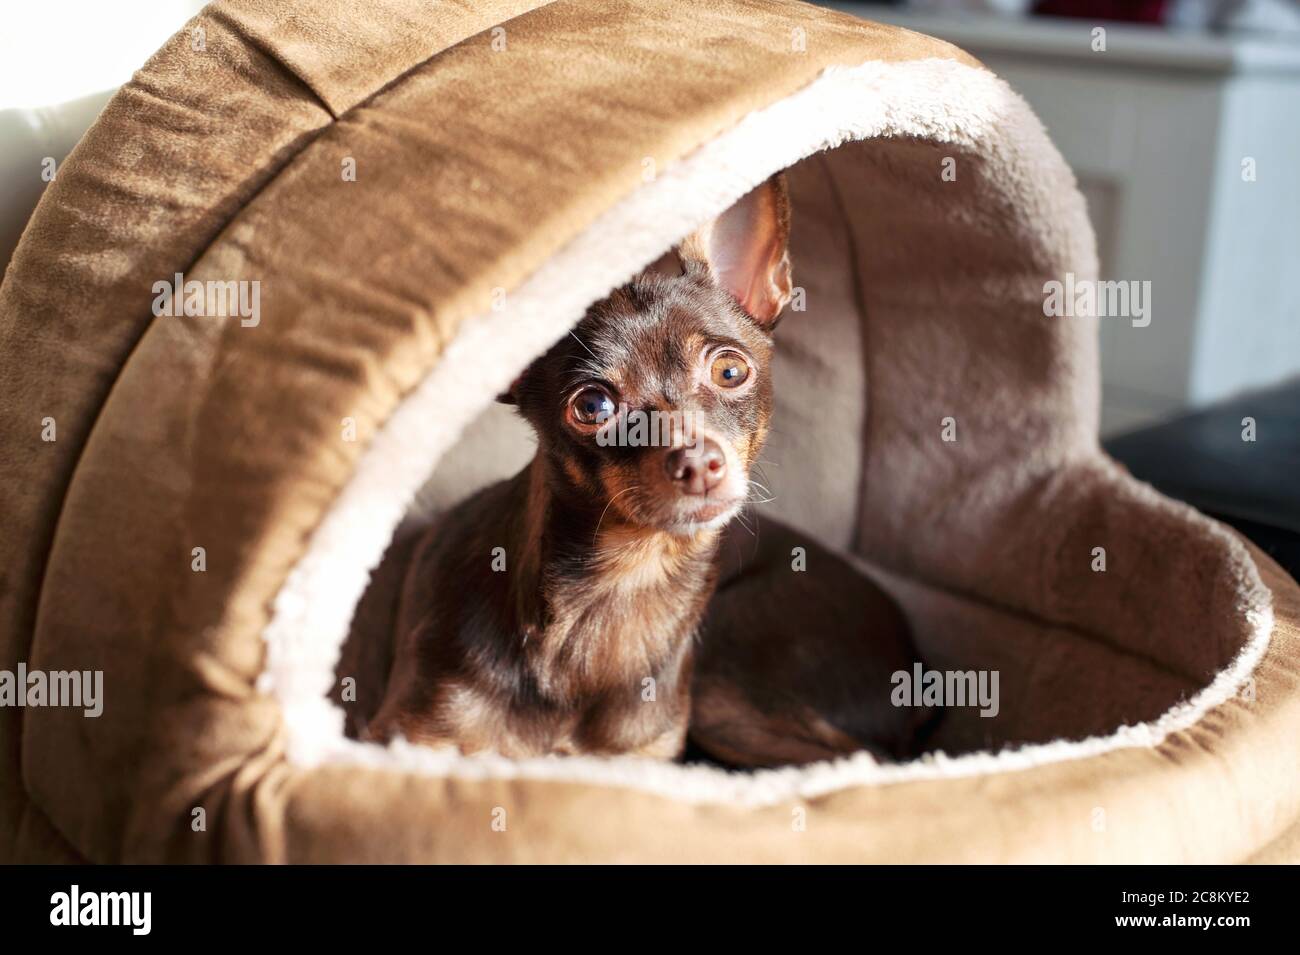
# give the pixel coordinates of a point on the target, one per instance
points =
(557, 612)
(582, 639)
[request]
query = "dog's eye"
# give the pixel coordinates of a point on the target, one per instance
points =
(592, 406)
(729, 370)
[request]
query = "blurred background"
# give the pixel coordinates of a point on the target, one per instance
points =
(1181, 119)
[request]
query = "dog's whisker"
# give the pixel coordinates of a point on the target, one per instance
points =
(596, 536)
(758, 468)
(768, 497)
(582, 343)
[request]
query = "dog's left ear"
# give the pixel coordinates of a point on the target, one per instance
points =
(745, 251)
(511, 395)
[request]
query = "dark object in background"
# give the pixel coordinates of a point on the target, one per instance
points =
(1132, 11)
(1202, 459)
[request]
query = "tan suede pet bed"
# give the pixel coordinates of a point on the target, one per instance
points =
(429, 194)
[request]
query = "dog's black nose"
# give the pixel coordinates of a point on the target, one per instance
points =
(697, 469)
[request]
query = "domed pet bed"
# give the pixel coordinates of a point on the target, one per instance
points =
(429, 196)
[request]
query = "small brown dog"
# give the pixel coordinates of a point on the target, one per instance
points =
(581, 638)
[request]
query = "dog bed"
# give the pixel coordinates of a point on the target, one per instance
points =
(429, 195)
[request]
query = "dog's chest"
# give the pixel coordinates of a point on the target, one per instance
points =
(641, 705)
(610, 672)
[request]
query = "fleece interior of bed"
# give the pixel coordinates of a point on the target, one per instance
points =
(871, 241)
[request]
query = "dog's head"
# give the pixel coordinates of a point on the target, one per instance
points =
(657, 404)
